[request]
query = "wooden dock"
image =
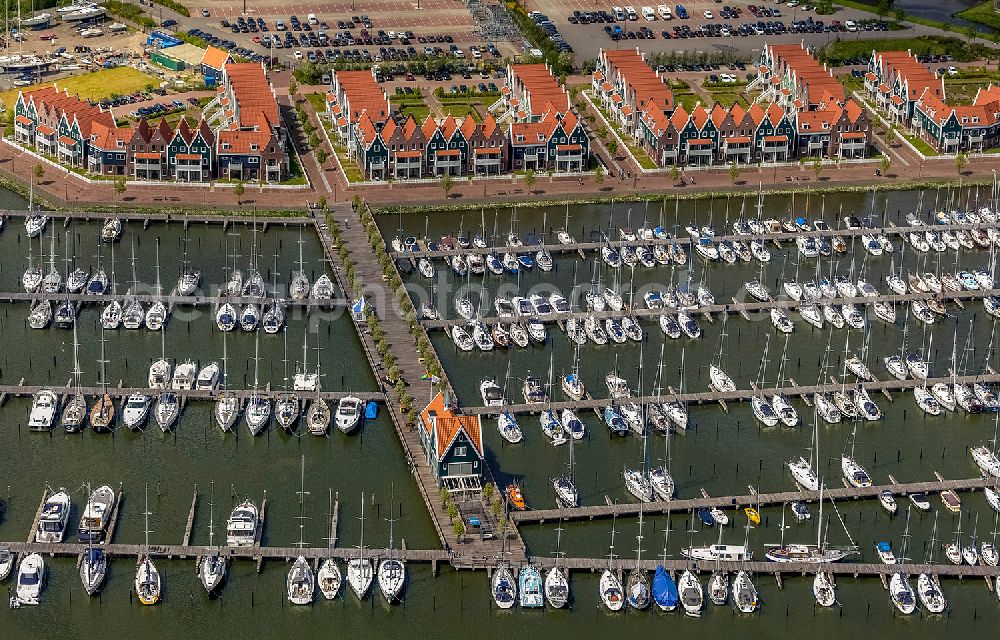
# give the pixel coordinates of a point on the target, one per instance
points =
(122, 392)
(334, 517)
(734, 307)
(189, 526)
(172, 300)
(109, 535)
(259, 534)
(685, 241)
(38, 514)
(738, 502)
(146, 218)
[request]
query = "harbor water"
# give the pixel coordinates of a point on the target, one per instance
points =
(722, 453)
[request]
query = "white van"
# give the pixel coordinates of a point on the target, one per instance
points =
(312, 18)
(664, 12)
(851, 26)
(648, 14)
(631, 14)
(279, 25)
(618, 13)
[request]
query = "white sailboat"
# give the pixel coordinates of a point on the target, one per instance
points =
(359, 570)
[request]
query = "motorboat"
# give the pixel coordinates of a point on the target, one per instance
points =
(718, 553)
(920, 501)
(691, 595)
(902, 594)
(530, 587)
(888, 501)
(208, 377)
(54, 517)
(503, 587)
(803, 474)
(184, 376)
(329, 578)
(884, 551)
(300, 583)
(136, 410)
(147, 581)
(241, 528)
(166, 410)
(258, 413)
(349, 413)
(30, 579)
(951, 501)
(611, 591)
(536, 330)
(800, 511)
(93, 569)
(44, 406)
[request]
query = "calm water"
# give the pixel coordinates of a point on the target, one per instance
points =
(721, 453)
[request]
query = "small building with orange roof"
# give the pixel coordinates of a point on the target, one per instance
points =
(453, 444)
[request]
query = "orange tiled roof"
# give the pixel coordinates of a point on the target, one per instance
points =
(147, 155)
(444, 423)
(408, 154)
(188, 156)
(853, 135)
(537, 83)
(215, 58)
(22, 120)
(67, 140)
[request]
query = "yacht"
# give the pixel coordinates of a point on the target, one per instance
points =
(573, 387)
(718, 552)
(166, 410)
(638, 485)
(556, 587)
(249, 317)
(258, 413)
(804, 474)
(391, 578)
(691, 595)
(300, 583)
(824, 589)
(360, 575)
(986, 460)
(96, 515)
(227, 409)
(208, 377)
(44, 406)
(503, 587)
(111, 316)
(329, 578)
(744, 592)
(136, 410)
(286, 411)
(720, 380)
(318, 417)
(225, 317)
(30, 579)
(611, 591)
(241, 528)
(54, 517)
(902, 594)
(93, 569)
(884, 551)
(804, 553)
(530, 588)
(508, 428)
(931, 596)
(349, 413)
(159, 374)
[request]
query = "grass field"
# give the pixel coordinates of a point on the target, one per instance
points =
(415, 107)
(983, 14)
(95, 85)
(961, 50)
(921, 145)
(729, 99)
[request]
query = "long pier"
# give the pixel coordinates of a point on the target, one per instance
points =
(748, 500)
(731, 307)
(703, 397)
(145, 218)
(171, 300)
(775, 237)
(121, 392)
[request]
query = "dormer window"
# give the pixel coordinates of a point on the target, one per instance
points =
(253, 146)
(225, 146)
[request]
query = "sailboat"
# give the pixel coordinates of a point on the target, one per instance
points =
(637, 584)
(212, 567)
(807, 553)
(300, 583)
(928, 585)
(391, 571)
(258, 411)
(298, 288)
(227, 406)
(147, 578)
(610, 586)
(899, 585)
(102, 415)
(556, 580)
(692, 597)
(824, 589)
(156, 315)
(359, 570)
(189, 279)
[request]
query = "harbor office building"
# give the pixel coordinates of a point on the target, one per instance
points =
(240, 136)
(538, 131)
(453, 445)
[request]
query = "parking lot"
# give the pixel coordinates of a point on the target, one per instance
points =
(723, 26)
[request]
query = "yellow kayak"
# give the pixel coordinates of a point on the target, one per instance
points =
(752, 515)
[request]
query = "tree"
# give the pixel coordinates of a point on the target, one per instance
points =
(447, 184)
(120, 186)
(599, 174)
(459, 528)
(883, 9)
(961, 160)
(885, 164)
(321, 155)
(313, 141)
(613, 147)
(734, 171)
(675, 173)
(239, 190)
(321, 203)
(529, 179)
(39, 171)
(817, 164)
(293, 87)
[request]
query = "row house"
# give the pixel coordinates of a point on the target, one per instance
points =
(741, 135)
(959, 128)
(895, 81)
(191, 153)
(531, 91)
(625, 85)
(557, 143)
(353, 93)
(57, 124)
(148, 152)
(789, 75)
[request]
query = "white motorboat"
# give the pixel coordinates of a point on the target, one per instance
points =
(885, 554)
(803, 474)
(208, 377)
(920, 501)
(54, 517)
(44, 406)
(491, 393)
(30, 579)
(136, 410)
(241, 528)
(329, 578)
(300, 583)
(349, 412)
(184, 376)
(611, 591)
(718, 553)
(986, 460)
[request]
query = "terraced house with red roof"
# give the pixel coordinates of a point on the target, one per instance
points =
(358, 108)
(789, 75)
(625, 86)
(251, 137)
(58, 124)
(896, 80)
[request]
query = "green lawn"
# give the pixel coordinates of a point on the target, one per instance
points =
(95, 85)
(415, 107)
(688, 100)
(351, 169)
(851, 83)
(459, 105)
(922, 145)
(638, 152)
(961, 49)
(983, 14)
(729, 99)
